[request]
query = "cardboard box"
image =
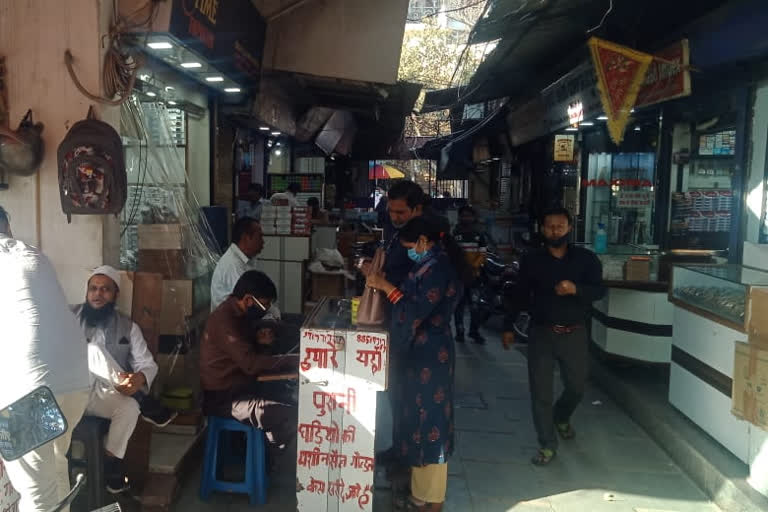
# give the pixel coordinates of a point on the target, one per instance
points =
(758, 317)
(163, 236)
(327, 285)
(750, 384)
(637, 270)
(171, 264)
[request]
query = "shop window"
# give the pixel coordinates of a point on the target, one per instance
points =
(702, 201)
(620, 194)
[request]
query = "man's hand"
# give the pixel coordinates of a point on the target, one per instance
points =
(565, 288)
(265, 336)
(508, 339)
(131, 383)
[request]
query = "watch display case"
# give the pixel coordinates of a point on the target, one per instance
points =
(719, 292)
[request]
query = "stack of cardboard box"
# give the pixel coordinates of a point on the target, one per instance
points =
(750, 375)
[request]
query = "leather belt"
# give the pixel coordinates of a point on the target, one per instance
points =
(566, 329)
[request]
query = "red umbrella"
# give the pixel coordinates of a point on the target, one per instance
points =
(384, 172)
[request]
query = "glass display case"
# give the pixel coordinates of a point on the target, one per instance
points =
(616, 258)
(718, 292)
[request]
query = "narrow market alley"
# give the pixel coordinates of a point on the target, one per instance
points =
(612, 465)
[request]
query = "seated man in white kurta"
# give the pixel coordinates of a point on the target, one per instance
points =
(122, 370)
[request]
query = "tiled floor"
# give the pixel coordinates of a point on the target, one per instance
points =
(612, 465)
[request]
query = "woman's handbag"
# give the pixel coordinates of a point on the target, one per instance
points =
(372, 310)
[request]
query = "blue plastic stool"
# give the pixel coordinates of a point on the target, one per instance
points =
(255, 483)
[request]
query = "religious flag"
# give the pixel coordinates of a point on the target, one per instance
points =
(620, 74)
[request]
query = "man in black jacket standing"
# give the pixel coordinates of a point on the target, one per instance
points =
(558, 284)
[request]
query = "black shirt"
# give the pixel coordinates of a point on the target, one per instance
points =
(540, 272)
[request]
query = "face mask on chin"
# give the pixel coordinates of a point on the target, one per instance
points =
(556, 242)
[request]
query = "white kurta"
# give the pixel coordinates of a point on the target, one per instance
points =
(232, 265)
(106, 401)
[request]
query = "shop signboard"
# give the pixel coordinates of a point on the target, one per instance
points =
(230, 34)
(668, 76)
(340, 373)
(9, 498)
(564, 145)
(572, 99)
(634, 199)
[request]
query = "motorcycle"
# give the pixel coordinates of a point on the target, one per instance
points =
(32, 421)
(494, 291)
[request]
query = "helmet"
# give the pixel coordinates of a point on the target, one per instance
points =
(21, 151)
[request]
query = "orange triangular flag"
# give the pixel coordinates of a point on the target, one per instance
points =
(620, 73)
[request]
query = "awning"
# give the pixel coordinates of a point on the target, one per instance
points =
(384, 172)
(541, 39)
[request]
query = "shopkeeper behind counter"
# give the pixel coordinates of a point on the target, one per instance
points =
(233, 356)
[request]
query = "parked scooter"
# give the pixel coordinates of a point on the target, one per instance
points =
(494, 290)
(32, 421)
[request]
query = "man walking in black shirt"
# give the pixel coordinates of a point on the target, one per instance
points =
(557, 287)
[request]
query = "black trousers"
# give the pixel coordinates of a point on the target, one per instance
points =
(458, 314)
(571, 352)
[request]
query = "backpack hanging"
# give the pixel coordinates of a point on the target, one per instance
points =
(92, 175)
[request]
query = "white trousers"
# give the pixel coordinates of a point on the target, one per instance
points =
(122, 411)
(41, 477)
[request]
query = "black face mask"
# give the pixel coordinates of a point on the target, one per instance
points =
(556, 242)
(96, 317)
(255, 313)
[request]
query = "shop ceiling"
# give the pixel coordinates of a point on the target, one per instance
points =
(540, 39)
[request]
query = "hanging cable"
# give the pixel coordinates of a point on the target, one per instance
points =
(610, 8)
(121, 61)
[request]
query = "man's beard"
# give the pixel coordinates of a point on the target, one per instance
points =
(93, 317)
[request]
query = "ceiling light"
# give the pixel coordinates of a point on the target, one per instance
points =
(214, 79)
(144, 78)
(495, 158)
(232, 89)
(279, 144)
(602, 118)
(168, 88)
(587, 123)
(278, 152)
(637, 128)
(190, 65)
(151, 94)
(264, 128)
(571, 129)
(160, 46)
(171, 102)
(632, 111)
(275, 134)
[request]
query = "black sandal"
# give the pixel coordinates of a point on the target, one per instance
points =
(543, 457)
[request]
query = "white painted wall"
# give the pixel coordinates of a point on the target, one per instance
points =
(33, 37)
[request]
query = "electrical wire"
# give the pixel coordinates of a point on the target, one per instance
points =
(610, 8)
(121, 62)
(438, 13)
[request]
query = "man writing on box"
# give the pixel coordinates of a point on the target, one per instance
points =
(232, 358)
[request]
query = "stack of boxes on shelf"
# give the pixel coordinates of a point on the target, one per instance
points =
(284, 220)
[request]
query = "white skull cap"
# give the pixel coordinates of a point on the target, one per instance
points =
(110, 272)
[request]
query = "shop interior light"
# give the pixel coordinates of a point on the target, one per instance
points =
(264, 128)
(144, 78)
(602, 118)
(637, 128)
(571, 129)
(587, 123)
(151, 94)
(232, 89)
(171, 102)
(214, 79)
(278, 152)
(191, 65)
(275, 134)
(160, 45)
(168, 88)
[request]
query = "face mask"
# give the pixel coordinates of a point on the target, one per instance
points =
(255, 313)
(417, 257)
(556, 242)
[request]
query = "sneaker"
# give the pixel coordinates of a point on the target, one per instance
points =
(477, 338)
(117, 484)
(161, 418)
(459, 337)
(152, 411)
